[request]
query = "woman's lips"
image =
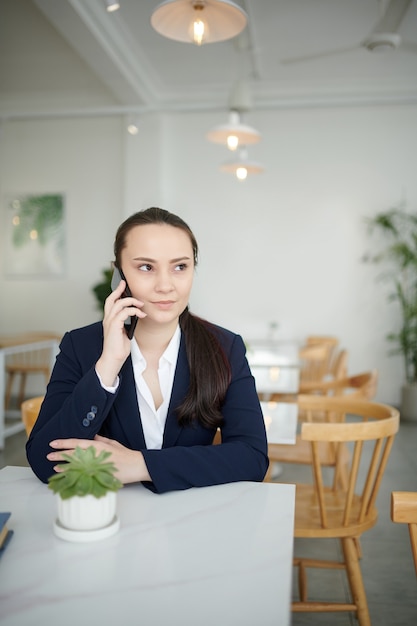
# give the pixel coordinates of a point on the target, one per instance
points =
(164, 304)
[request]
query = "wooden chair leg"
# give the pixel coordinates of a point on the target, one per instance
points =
(22, 388)
(9, 387)
(358, 546)
(412, 529)
(354, 573)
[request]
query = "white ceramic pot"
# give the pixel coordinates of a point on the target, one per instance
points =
(408, 410)
(87, 512)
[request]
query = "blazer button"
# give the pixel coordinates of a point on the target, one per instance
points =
(93, 409)
(90, 415)
(86, 422)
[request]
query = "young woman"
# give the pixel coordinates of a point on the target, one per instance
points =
(156, 401)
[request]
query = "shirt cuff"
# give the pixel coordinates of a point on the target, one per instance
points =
(112, 388)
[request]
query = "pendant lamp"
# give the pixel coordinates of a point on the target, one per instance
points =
(199, 21)
(234, 134)
(242, 166)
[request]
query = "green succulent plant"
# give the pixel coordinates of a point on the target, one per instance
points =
(85, 473)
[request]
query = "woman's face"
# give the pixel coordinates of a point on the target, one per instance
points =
(158, 264)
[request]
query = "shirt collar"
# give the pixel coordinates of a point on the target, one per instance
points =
(170, 355)
(171, 352)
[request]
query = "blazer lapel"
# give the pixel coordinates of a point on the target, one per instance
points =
(127, 409)
(179, 391)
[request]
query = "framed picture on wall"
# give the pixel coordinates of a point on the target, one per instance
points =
(34, 235)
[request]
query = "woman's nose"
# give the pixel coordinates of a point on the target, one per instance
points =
(164, 282)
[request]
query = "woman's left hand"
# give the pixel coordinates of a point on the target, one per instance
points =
(130, 464)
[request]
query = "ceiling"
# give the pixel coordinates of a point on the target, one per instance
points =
(75, 47)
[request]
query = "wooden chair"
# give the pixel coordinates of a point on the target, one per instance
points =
(339, 365)
(24, 364)
(324, 510)
(30, 411)
(404, 511)
(315, 339)
(360, 386)
(314, 362)
(331, 343)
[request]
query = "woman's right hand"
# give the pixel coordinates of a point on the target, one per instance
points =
(116, 346)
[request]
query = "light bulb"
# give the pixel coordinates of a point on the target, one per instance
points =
(133, 125)
(198, 32)
(198, 27)
(241, 173)
(133, 129)
(232, 142)
(112, 6)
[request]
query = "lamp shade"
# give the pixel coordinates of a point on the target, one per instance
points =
(234, 133)
(198, 21)
(242, 166)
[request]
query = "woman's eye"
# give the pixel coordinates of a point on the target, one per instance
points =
(180, 267)
(145, 267)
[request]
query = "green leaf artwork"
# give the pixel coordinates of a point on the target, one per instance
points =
(35, 235)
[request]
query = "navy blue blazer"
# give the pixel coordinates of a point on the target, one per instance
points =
(76, 405)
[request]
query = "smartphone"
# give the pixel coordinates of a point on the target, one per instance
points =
(130, 323)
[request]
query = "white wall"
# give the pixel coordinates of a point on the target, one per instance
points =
(283, 246)
(83, 159)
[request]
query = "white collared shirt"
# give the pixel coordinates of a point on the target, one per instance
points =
(153, 420)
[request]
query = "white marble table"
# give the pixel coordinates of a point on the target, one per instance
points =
(276, 368)
(215, 555)
(281, 420)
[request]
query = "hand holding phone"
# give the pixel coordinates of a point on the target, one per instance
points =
(130, 323)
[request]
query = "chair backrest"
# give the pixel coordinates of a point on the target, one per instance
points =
(30, 410)
(363, 385)
(30, 361)
(404, 511)
(315, 339)
(339, 364)
(32, 358)
(314, 361)
(328, 340)
(368, 428)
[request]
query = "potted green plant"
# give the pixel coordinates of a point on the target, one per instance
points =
(86, 491)
(103, 289)
(398, 234)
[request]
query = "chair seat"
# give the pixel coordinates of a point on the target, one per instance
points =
(307, 514)
(404, 511)
(30, 410)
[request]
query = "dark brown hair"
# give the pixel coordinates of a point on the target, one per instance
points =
(209, 367)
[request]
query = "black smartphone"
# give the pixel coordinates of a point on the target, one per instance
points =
(130, 323)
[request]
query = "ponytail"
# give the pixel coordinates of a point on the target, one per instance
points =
(209, 374)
